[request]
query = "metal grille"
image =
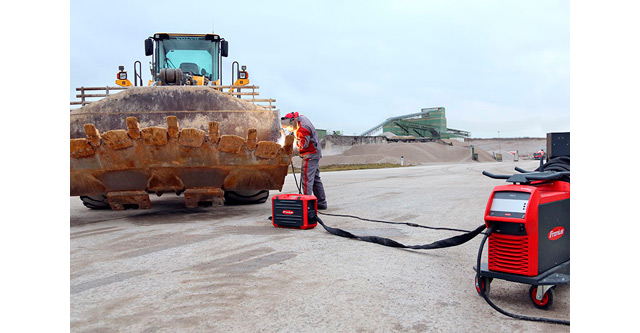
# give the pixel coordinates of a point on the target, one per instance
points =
(509, 254)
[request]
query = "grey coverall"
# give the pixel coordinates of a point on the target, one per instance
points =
(311, 153)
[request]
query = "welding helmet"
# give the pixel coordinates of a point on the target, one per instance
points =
(289, 121)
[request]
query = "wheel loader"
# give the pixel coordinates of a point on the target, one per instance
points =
(183, 133)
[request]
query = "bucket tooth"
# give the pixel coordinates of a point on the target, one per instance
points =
(154, 136)
(267, 149)
(172, 127)
(117, 139)
(231, 144)
(198, 197)
(93, 136)
(81, 148)
(192, 137)
(122, 200)
(214, 131)
(288, 144)
(133, 127)
(252, 138)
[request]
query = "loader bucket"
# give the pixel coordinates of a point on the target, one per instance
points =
(227, 146)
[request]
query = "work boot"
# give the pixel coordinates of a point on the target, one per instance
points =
(322, 207)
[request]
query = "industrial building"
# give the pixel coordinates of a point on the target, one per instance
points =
(428, 123)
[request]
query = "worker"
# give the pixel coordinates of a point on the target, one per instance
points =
(308, 146)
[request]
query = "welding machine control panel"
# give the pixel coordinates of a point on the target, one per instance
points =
(509, 204)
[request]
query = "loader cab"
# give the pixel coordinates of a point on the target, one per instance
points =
(197, 57)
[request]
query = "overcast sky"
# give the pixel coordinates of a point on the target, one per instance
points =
(348, 65)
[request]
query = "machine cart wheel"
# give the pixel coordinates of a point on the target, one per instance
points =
(483, 284)
(541, 296)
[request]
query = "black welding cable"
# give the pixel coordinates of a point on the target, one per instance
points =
(293, 170)
(448, 242)
(391, 222)
(486, 298)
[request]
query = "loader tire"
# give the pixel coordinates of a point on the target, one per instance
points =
(179, 77)
(171, 77)
(163, 76)
(95, 202)
(245, 197)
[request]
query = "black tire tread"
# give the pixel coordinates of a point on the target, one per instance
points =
(234, 198)
(95, 202)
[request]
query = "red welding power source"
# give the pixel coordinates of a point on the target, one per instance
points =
(294, 211)
(531, 227)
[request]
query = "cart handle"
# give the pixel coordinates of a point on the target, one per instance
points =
(490, 175)
(529, 176)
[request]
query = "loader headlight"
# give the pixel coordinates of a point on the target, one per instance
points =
(243, 75)
(122, 76)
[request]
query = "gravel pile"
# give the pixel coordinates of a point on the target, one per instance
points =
(414, 153)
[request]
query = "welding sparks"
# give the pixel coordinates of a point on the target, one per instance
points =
(283, 135)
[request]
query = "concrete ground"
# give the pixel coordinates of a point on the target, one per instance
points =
(172, 269)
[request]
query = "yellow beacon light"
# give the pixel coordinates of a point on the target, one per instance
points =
(121, 78)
